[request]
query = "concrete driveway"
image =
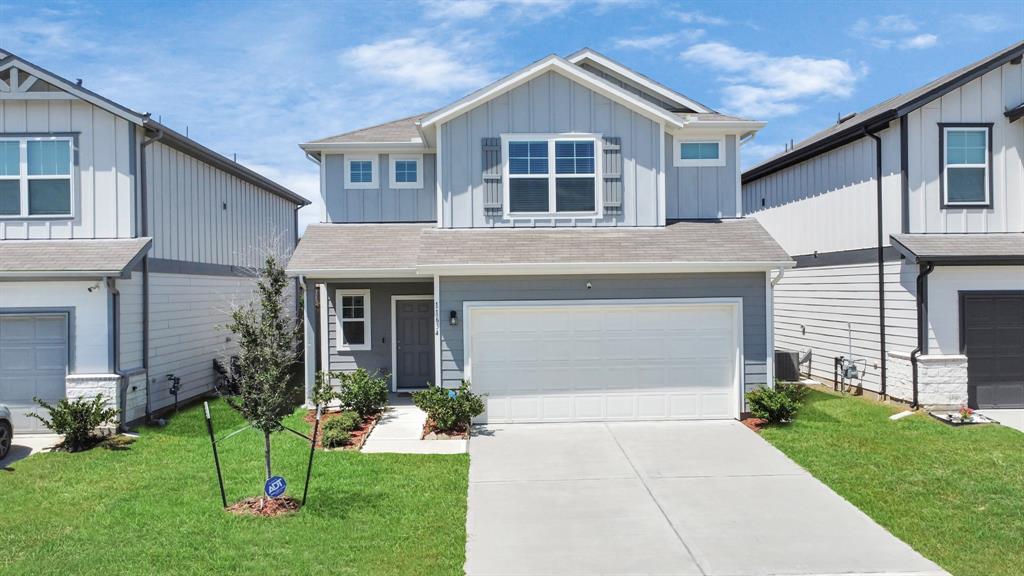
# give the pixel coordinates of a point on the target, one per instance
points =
(24, 445)
(661, 498)
(1010, 417)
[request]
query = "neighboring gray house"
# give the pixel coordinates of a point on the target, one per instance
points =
(569, 238)
(917, 203)
(122, 246)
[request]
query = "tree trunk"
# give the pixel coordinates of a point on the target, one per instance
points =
(266, 452)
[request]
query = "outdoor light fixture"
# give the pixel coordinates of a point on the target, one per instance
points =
(453, 318)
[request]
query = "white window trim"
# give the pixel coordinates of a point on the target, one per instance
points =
(367, 337)
(945, 165)
(23, 177)
(678, 141)
(349, 159)
(552, 175)
(393, 159)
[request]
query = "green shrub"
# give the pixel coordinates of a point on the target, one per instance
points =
(77, 420)
(450, 410)
(772, 404)
(365, 393)
(795, 392)
(334, 433)
(348, 420)
(323, 391)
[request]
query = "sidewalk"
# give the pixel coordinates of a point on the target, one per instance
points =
(400, 429)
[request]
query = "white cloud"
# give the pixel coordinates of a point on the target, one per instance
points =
(697, 17)
(758, 85)
(531, 10)
(983, 22)
(658, 42)
(920, 41)
(893, 30)
(753, 153)
(458, 9)
(417, 64)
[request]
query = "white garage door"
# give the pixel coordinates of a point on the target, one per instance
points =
(605, 360)
(33, 363)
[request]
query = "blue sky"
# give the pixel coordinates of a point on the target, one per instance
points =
(257, 78)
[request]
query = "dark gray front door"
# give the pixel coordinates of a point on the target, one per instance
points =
(992, 338)
(414, 343)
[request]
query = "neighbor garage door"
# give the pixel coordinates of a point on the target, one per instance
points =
(605, 360)
(33, 363)
(993, 341)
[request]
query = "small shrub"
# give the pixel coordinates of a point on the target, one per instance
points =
(772, 404)
(323, 391)
(118, 442)
(364, 393)
(450, 410)
(334, 433)
(77, 420)
(795, 392)
(348, 420)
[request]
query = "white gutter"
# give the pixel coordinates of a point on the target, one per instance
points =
(548, 268)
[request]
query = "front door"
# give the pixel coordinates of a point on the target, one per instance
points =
(414, 343)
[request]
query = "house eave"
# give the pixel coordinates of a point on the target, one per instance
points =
(555, 268)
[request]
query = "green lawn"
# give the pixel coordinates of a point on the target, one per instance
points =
(156, 509)
(955, 495)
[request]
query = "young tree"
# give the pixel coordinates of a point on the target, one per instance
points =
(267, 357)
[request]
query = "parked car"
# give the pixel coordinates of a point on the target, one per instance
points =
(6, 431)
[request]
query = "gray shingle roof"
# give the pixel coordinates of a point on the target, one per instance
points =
(965, 248)
(883, 112)
(70, 257)
(364, 248)
(329, 247)
(401, 130)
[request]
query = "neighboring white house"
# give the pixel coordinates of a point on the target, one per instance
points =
(122, 246)
(569, 238)
(917, 202)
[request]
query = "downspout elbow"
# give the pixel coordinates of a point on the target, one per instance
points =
(922, 327)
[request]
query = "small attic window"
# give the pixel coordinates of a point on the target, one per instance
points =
(360, 171)
(694, 152)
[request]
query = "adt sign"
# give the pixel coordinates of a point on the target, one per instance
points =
(275, 486)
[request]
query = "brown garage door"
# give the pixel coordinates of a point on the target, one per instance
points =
(992, 337)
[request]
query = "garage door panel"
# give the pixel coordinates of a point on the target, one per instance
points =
(33, 363)
(993, 332)
(604, 361)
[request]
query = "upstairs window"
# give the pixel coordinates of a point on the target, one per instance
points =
(699, 152)
(966, 165)
(551, 175)
(406, 170)
(360, 171)
(35, 177)
(353, 313)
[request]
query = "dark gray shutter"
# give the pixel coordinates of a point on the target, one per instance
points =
(612, 172)
(491, 149)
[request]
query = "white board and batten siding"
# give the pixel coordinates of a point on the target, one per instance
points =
(103, 198)
(982, 100)
(199, 213)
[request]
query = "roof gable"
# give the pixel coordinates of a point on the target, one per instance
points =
(628, 76)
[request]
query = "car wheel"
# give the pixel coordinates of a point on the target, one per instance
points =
(5, 439)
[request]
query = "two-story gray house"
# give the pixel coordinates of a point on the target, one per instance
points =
(569, 238)
(123, 246)
(907, 224)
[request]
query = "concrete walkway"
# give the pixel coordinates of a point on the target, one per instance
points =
(24, 445)
(400, 429)
(1009, 417)
(708, 499)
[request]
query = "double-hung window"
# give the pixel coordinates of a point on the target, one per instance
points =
(551, 174)
(965, 165)
(353, 313)
(36, 177)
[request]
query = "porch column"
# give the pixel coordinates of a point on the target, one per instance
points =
(310, 338)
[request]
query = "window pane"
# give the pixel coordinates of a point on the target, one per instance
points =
(10, 197)
(405, 170)
(966, 146)
(709, 151)
(974, 138)
(528, 195)
(49, 157)
(528, 157)
(965, 185)
(354, 333)
(689, 151)
(574, 194)
(49, 197)
(361, 171)
(574, 157)
(10, 155)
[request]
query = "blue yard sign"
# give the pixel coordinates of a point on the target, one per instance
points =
(275, 486)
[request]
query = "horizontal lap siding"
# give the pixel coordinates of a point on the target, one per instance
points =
(379, 356)
(823, 300)
(550, 103)
(188, 315)
(103, 198)
(130, 321)
(749, 286)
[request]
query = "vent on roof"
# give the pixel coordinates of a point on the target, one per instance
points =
(845, 118)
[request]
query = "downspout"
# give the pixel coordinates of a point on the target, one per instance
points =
(881, 260)
(922, 324)
(144, 231)
(115, 350)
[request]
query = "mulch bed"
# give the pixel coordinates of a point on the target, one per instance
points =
(257, 506)
(755, 424)
(431, 433)
(357, 437)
